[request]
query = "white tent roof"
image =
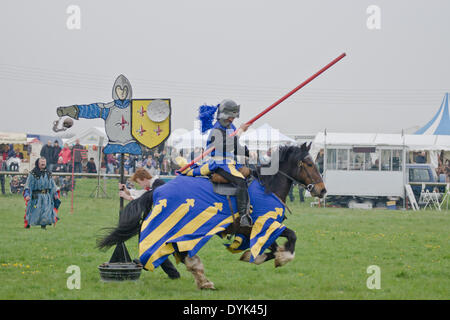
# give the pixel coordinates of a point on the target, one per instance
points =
(11, 137)
(89, 137)
(189, 140)
(264, 137)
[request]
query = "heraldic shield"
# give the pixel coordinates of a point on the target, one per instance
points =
(150, 121)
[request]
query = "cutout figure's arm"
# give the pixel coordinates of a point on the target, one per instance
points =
(87, 111)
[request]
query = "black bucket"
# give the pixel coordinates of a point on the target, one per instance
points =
(120, 271)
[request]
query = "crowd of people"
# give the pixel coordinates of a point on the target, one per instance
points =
(157, 163)
(61, 159)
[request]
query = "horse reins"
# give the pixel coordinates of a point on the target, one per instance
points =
(308, 187)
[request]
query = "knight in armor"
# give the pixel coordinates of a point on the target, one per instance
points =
(117, 116)
(224, 158)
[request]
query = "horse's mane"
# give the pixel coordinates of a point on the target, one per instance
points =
(284, 153)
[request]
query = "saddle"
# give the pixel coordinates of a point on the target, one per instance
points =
(222, 186)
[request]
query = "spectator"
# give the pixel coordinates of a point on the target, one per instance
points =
(144, 179)
(447, 170)
(13, 160)
(11, 152)
(165, 166)
(56, 151)
(301, 191)
(77, 158)
(319, 161)
(142, 200)
(156, 158)
(132, 164)
(47, 153)
(110, 163)
(66, 155)
(149, 162)
(66, 185)
(19, 154)
(2, 177)
(91, 168)
(162, 156)
(150, 167)
(421, 157)
(5, 153)
(129, 164)
(59, 167)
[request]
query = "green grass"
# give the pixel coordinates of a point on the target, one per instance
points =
(334, 249)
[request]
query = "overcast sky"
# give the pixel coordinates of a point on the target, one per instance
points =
(252, 51)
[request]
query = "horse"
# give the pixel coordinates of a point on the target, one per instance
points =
(178, 217)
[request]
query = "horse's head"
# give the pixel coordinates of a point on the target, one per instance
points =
(300, 167)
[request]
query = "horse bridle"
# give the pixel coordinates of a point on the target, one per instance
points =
(308, 187)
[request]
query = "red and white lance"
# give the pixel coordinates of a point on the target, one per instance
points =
(251, 121)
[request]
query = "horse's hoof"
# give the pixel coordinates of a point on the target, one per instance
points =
(282, 256)
(260, 259)
(246, 256)
(208, 285)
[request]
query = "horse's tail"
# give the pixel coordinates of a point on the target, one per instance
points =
(129, 222)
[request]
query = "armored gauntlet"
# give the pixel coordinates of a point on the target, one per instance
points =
(71, 111)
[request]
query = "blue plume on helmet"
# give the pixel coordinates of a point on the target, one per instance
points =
(206, 116)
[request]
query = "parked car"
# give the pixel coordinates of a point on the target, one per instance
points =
(423, 173)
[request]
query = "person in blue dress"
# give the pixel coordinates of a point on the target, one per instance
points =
(41, 196)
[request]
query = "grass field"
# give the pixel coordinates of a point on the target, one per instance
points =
(334, 249)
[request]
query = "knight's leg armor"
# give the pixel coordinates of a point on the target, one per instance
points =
(243, 206)
(242, 198)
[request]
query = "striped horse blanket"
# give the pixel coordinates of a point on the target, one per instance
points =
(187, 213)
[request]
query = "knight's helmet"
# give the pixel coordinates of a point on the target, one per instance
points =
(124, 84)
(228, 108)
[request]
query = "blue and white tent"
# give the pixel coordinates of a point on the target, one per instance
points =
(440, 124)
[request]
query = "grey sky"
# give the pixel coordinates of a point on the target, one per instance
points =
(252, 51)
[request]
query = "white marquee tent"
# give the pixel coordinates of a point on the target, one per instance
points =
(260, 138)
(89, 137)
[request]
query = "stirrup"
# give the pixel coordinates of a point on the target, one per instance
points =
(246, 221)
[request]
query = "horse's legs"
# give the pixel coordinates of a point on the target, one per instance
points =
(266, 256)
(170, 269)
(285, 253)
(281, 254)
(195, 266)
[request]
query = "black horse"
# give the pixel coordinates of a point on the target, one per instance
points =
(295, 165)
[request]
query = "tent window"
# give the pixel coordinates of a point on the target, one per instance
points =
(331, 159)
(372, 161)
(386, 160)
(356, 160)
(342, 158)
(397, 160)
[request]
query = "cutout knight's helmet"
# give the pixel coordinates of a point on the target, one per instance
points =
(122, 85)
